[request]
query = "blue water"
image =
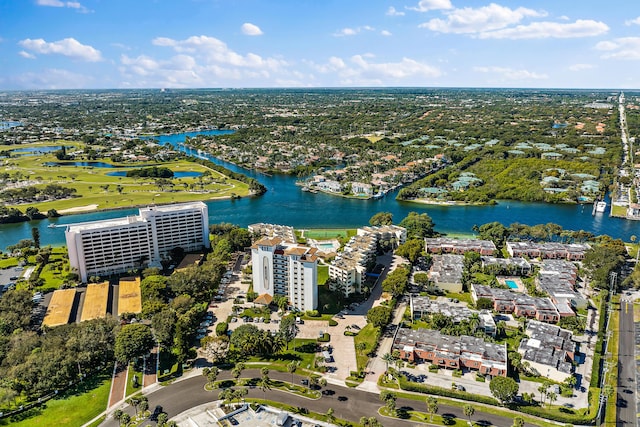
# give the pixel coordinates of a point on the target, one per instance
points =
(87, 164)
(285, 203)
(36, 150)
(186, 174)
(9, 124)
(511, 284)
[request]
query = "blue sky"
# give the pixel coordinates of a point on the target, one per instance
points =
(58, 44)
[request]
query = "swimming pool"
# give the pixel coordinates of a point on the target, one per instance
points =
(326, 247)
(511, 284)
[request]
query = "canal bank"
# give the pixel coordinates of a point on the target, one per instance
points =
(285, 203)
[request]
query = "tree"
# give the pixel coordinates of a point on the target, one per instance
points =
(247, 339)
(237, 370)
(518, 422)
(212, 375)
(503, 388)
(125, 419)
(134, 401)
(221, 329)
(552, 398)
(264, 382)
(379, 316)
(494, 231)
(163, 324)
(388, 358)
(162, 418)
(288, 329)
(330, 415)
(396, 282)
(412, 249)
(35, 235)
(469, 411)
(215, 349)
(32, 212)
(421, 279)
(133, 341)
(143, 405)
(484, 304)
(381, 218)
(418, 225)
(543, 389)
(292, 367)
(432, 406)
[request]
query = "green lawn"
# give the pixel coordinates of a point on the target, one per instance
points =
(464, 297)
(329, 233)
(130, 388)
(72, 409)
(8, 262)
(369, 336)
(323, 274)
(94, 186)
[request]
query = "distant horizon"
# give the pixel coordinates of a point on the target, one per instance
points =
(302, 89)
(120, 44)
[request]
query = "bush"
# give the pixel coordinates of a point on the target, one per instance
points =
(333, 322)
(222, 328)
(313, 313)
(325, 338)
(427, 389)
(554, 416)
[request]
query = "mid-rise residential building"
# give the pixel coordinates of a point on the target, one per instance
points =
(284, 232)
(113, 246)
(463, 352)
(447, 245)
(286, 268)
(558, 279)
(349, 267)
(549, 350)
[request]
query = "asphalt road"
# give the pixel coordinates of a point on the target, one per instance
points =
(627, 387)
(348, 403)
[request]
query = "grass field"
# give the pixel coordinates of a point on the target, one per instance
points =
(367, 335)
(108, 192)
(72, 409)
(323, 274)
(329, 233)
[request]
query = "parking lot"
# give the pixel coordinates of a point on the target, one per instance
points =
(9, 276)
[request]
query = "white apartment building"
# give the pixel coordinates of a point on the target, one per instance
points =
(117, 245)
(285, 268)
(348, 269)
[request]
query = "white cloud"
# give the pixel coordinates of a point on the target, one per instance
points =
(213, 50)
(510, 74)
(251, 29)
(427, 5)
(486, 18)
(362, 70)
(353, 31)
(545, 30)
(68, 47)
(59, 3)
(26, 54)
(580, 67)
(635, 21)
(621, 48)
(385, 33)
(393, 12)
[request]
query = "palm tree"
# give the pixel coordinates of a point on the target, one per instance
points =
(125, 419)
(134, 401)
(143, 405)
(387, 358)
(469, 411)
(264, 382)
(552, 398)
(330, 417)
(212, 376)
(432, 406)
(518, 422)
(292, 367)
(117, 414)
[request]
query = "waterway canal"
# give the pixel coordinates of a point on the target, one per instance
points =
(284, 203)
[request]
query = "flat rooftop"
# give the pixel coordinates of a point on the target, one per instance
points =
(59, 308)
(129, 297)
(95, 301)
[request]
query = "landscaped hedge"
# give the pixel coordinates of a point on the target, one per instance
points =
(422, 388)
(568, 417)
(333, 322)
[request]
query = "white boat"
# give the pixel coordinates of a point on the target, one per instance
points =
(601, 206)
(51, 226)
